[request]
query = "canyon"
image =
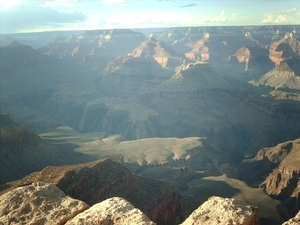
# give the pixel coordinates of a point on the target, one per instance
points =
(210, 110)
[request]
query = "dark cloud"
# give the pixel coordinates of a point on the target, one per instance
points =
(21, 18)
(189, 5)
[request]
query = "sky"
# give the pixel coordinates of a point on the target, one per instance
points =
(18, 16)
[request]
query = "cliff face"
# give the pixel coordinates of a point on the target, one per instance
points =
(97, 181)
(285, 55)
(283, 183)
(287, 47)
(199, 52)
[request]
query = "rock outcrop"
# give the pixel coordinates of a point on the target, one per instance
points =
(111, 211)
(284, 182)
(285, 48)
(38, 203)
(164, 55)
(285, 54)
(267, 159)
(219, 210)
(199, 52)
(293, 221)
(96, 181)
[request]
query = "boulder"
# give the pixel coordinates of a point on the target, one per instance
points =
(111, 211)
(38, 203)
(218, 210)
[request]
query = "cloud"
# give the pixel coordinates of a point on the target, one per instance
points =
(7, 4)
(112, 1)
(290, 16)
(222, 13)
(188, 5)
(23, 18)
(65, 3)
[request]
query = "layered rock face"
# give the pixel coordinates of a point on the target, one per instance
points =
(277, 169)
(219, 210)
(285, 55)
(111, 211)
(97, 181)
(267, 159)
(164, 55)
(199, 52)
(38, 203)
(287, 47)
(284, 183)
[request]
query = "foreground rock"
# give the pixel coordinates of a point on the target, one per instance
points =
(38, 203)
(294, 221)
(219, 210)
(111, 211)
(97, 181)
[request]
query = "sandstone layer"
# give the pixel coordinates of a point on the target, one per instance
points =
(38, 203)
(219, 210)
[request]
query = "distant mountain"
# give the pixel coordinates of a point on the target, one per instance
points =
(285, 54)
(98, 46)
(5, 40)
(15, 54)
(192, 77)
(163, 54)
(148, 65)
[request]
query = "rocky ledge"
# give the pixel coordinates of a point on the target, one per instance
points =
(97, 181)
(43, 203)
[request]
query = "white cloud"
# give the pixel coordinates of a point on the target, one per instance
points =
(27, 18)
(10, 3)
(65, 3)
(222, 13)
(290, 16)
(112, 1)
